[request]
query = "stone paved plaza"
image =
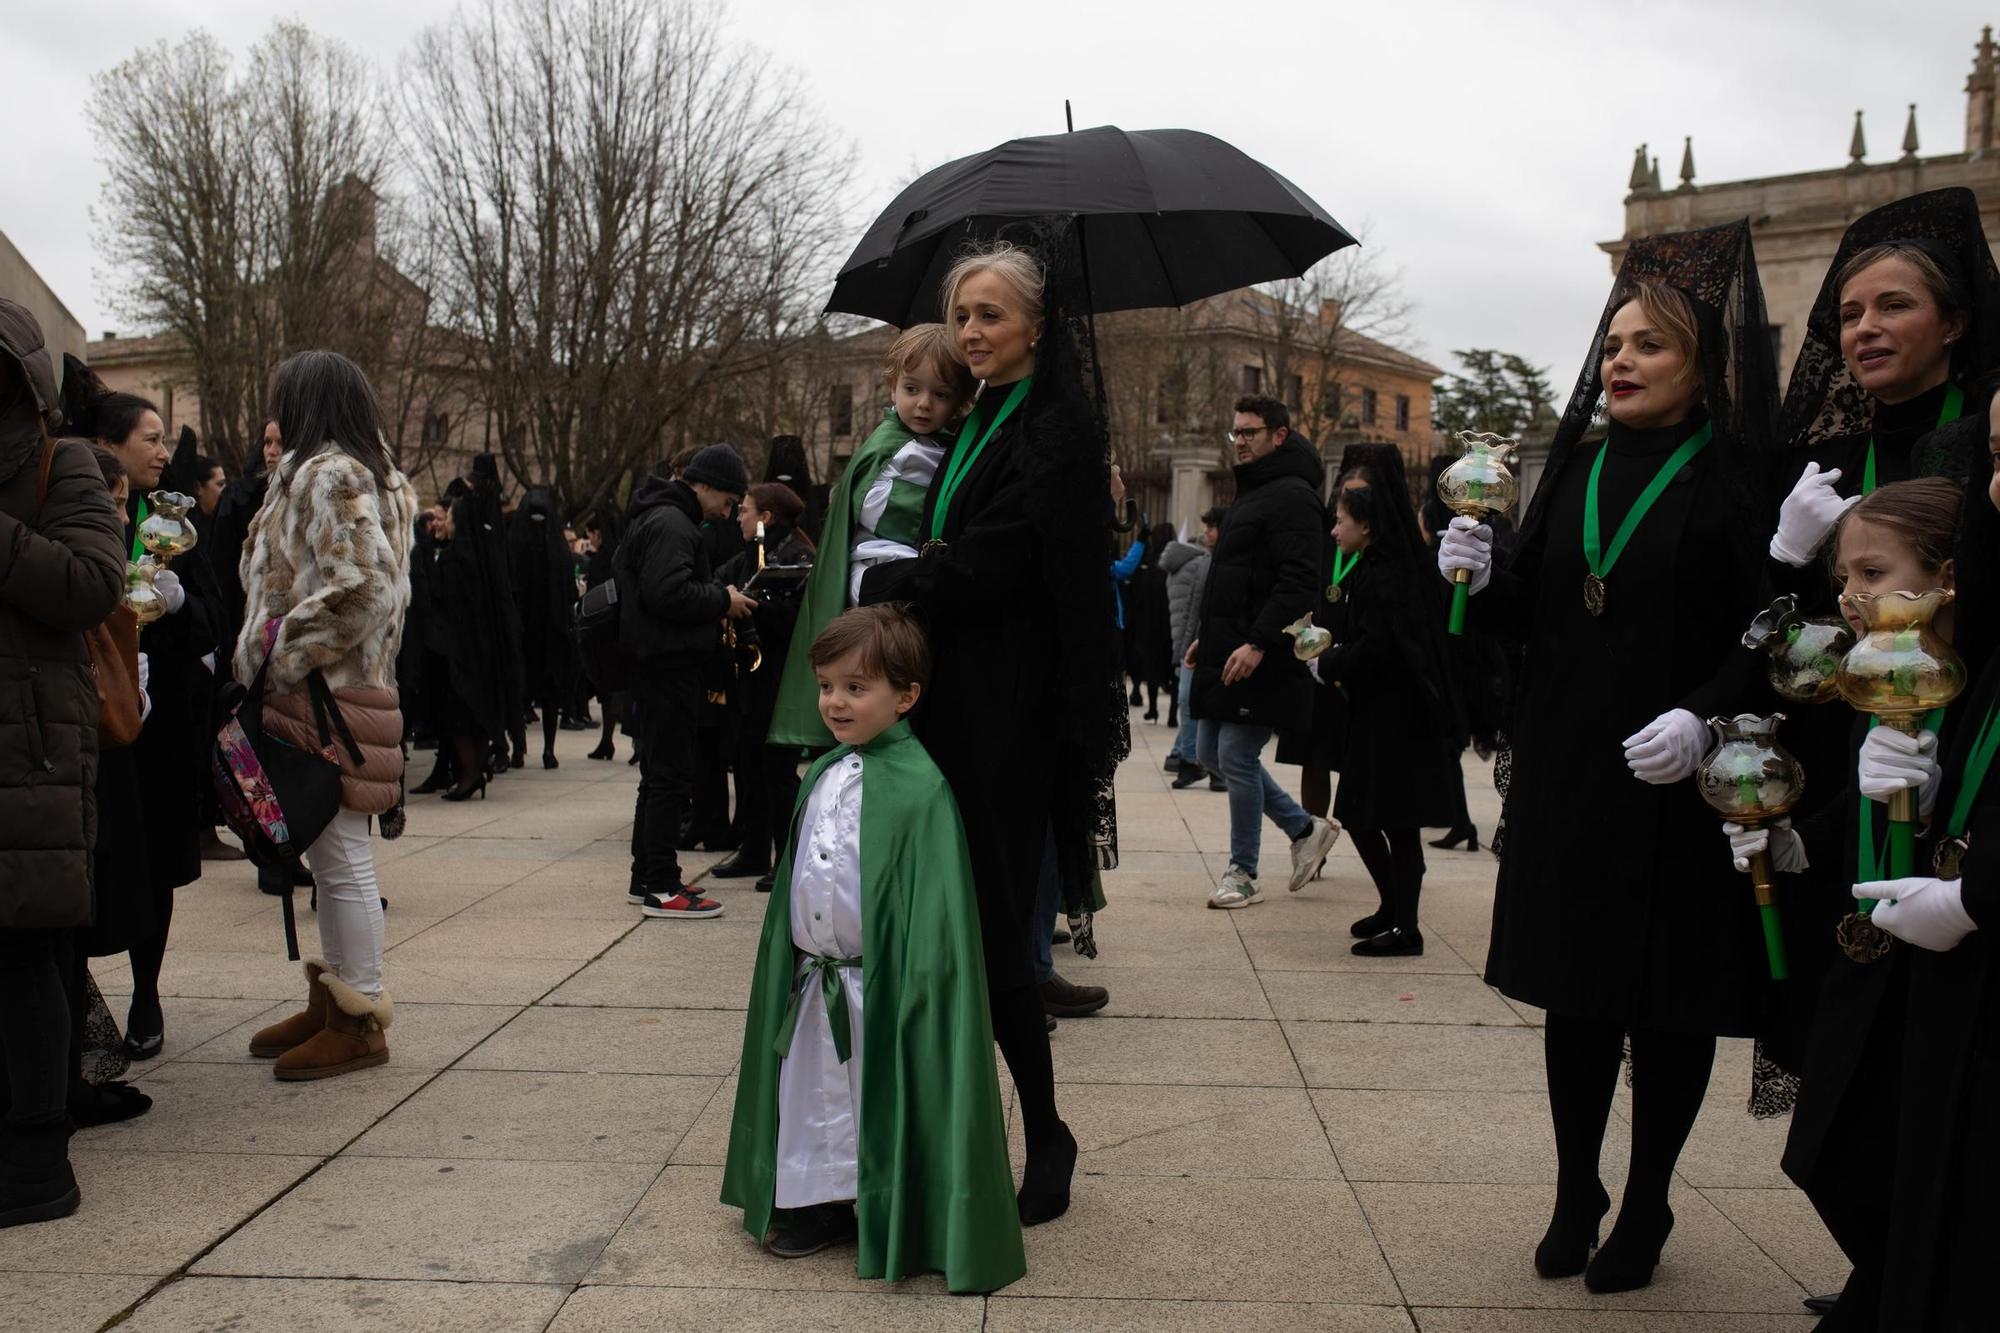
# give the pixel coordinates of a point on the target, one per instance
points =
(1275, 1135)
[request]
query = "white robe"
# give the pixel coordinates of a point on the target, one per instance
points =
(915, 464)
(819, 1098)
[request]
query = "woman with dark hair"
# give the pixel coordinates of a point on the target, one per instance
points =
(1024, 715)
(1402, 717)
(1636, 572)
(767, 776)
(541, 572)
(172, 749)
(326, 581)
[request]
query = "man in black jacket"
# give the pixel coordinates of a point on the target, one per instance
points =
(673, 608)
(1264, 575)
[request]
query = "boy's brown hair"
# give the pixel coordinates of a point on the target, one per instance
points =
(927, 347)
(891, 643)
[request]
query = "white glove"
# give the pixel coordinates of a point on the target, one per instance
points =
(1807, 516)
(168, 585)
(1312, 665)
(1466, 544)
(1929, 913)
(1787, 850)
(145, 699)
(1668, 748)
(1891, 762)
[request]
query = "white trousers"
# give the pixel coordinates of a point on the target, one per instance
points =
(350, 904)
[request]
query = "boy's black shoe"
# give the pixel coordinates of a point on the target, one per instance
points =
(766, 883)
(1394, 942)
(742, 864)
(1188, 776)
(804, 1231)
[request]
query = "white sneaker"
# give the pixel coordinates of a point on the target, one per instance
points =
(1238, 889)
(1309, 849)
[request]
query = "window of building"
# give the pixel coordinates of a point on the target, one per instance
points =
(1367, 407)
(840, 410)
(437, 427)
(1329, 401)
(1402, 411)
(1295, 392)
(1253, 379)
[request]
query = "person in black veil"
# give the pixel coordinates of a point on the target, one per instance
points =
(461, 680)
(474, 606)
(1024, 715)
(1638, 568)
(542, 577)
(602, 529)
(1402, 727)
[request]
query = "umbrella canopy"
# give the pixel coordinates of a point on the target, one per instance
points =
(1164, 217)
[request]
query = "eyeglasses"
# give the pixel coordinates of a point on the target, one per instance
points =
(1247, 434)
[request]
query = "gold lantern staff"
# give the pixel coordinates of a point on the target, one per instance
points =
(1479, 485)
(1751, 780)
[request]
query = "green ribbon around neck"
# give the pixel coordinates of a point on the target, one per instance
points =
(828, 970)
(1595, 554)
(1954, 406)
(973, 444)
(1976, 763)
(1869, 863)
(1343, 565)
(138, 547)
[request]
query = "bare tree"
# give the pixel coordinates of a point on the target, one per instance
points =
(241, 214)
(632, 216)
(1311, 325)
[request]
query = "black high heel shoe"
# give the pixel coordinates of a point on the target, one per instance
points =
(1469, 835)
(603, 751)
(1572, 1235)
(549, 761)
(1044, 1192)
(464, 792)
(1626, 1260)
(439, 780)
(145, 1033)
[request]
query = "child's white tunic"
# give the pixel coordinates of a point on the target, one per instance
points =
(887, 527)
(819, 1098)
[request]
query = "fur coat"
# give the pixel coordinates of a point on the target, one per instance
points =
(329, 555)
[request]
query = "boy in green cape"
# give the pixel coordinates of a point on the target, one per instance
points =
(874, 510)
(868, 1103)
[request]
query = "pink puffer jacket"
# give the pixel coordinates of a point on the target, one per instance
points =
(372, 713)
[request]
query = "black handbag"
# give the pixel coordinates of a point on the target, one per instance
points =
(276, 797)
(595, 630)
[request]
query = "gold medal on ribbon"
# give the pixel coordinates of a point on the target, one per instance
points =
(1333, 592)
(1593, 594)
(1861, 939)
(1949, 858)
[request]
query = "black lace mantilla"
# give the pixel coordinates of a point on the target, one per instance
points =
(1823, 401)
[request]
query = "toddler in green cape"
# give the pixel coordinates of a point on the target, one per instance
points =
(868, 1103)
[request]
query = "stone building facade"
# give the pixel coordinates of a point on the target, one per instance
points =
(61, 331)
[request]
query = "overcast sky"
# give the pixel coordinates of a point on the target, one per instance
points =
(1484, 147)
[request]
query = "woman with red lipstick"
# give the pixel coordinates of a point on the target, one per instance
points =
(1636, 571)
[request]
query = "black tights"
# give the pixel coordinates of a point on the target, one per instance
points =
(1023, 1036)
(547, 705)
(1395, 861)
(144, 1018)
(34, 1026)
(1669, 1076)
(613, 706)
(1316, 790)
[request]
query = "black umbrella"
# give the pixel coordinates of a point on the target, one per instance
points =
(1164, 217)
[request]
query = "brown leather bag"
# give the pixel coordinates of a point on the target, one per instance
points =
(114, 652)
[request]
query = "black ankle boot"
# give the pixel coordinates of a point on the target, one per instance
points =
(1045, 1183)
(36, 1183)
(1368, 927)
(1572, 1234)
(1626, 1260)
(1395, 942)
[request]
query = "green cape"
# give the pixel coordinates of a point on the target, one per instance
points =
(935, 1191)
(796, 719)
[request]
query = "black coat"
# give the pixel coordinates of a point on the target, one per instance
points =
(173, 747)
(542, 574)
(1026, 527)
(1396, 764)
(671, 603)
(1616, 899)
(474, 621)
(769, 626)
(1265, 575)
(1945, 1228)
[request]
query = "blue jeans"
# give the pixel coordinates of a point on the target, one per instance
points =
(1184, 747)
(1048, 898)
(1235, 750)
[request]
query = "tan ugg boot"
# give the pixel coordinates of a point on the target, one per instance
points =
(277, 1038)
(354, 1036)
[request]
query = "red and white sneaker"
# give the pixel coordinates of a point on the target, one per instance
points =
(686, 903)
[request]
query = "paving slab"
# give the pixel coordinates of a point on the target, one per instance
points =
(512, 1116)
(243, 1109)
(1466, 1137)
(1226, 1133)
(615, 1041)
(1387, 997)
(1417, 1057)
(428, 1218)
(422, 1037)
(66, 1302)
(311, 1305)
(1101, 1049)
(1041, 1314)
(883, 1310)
